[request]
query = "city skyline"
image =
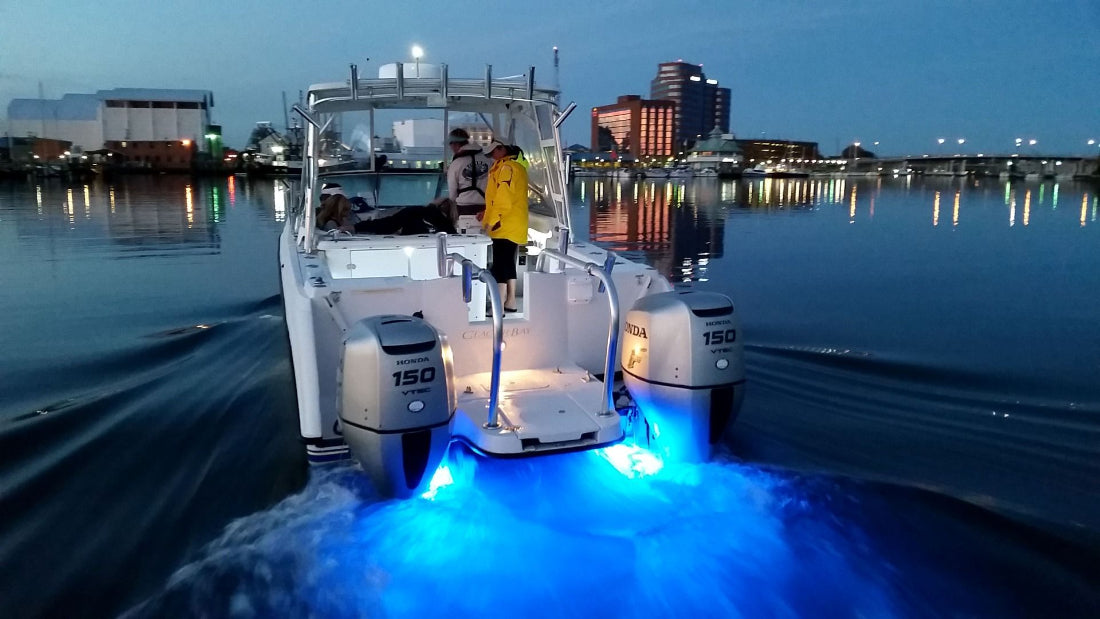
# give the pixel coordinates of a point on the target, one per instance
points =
(889, 72)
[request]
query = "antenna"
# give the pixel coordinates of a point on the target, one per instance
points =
(286, 116)
(557, 74)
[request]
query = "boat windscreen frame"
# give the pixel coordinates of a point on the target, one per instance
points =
(511, 102)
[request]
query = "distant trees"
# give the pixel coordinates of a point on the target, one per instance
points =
(854, 152)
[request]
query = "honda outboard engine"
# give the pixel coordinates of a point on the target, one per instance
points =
(396, 400)
(683, 363)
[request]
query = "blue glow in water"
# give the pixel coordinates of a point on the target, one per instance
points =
(631, 461)
(554, 536)
(441, 479)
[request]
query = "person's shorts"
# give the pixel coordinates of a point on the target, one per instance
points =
(504, 260)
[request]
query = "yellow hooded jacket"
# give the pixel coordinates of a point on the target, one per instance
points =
(506, 201)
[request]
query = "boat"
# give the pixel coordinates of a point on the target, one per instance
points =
(628, 174)
(785, 170)
(706, 172)
(757, 171)
(401, 349)
(681, 172)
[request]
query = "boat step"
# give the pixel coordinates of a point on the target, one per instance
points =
(540, 410)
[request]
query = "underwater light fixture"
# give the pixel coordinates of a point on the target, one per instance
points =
(632, 461)
(441, 479)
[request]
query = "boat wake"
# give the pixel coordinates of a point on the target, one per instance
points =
(567, 535)
(918, 424)
(117, 461)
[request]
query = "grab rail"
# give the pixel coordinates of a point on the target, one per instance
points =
(613, 301)
(446, 261)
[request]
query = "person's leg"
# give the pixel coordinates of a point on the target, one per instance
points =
(510, 296)
(504, 271)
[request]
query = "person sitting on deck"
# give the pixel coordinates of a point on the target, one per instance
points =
(336, 214)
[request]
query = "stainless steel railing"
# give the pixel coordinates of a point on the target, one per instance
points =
(561, 255)
(446, 262)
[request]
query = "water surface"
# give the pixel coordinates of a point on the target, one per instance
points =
(920, 436)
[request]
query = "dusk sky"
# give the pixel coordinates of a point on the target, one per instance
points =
(902, 73)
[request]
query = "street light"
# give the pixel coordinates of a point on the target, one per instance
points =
(417, 52)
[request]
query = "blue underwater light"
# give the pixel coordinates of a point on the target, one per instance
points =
(632, 461)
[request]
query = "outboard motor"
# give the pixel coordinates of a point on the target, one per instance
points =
(396, 400)
(683, 363)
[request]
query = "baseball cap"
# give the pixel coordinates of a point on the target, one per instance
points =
(492, 146)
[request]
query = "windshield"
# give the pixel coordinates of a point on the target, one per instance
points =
(411, 143)
(399, 188)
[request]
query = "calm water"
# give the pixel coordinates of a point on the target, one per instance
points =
(920, 438)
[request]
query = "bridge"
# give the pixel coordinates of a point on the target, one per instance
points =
(1007, 166)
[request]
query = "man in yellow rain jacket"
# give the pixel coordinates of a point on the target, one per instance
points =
(505, 219)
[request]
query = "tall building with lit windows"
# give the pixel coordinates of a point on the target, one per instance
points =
(701, 105)
(634, 127)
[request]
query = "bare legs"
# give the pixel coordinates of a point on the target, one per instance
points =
(508, 294)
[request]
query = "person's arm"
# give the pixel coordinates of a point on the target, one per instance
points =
(517, 191)
(505, 196)
(453, 172)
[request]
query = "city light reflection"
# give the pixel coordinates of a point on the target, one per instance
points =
(280, 194)
(852, 208)
(188, 200)
(955, 211)
(936, 210)
(1027, 207)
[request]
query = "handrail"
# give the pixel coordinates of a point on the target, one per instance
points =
(446, 261)
(613, 301)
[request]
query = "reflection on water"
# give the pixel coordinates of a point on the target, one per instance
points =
(136, 215)
(678, 225)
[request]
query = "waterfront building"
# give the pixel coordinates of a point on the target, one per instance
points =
(634, 126)
(778, 151)
(160, 128)
(701, 105)
(719, 152)
(28, 150)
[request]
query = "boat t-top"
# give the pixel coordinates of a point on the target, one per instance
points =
(400, 344)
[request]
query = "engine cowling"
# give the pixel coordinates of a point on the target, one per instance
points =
(683, 363)
(396, 400)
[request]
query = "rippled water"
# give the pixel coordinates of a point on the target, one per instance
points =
(920, 436)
